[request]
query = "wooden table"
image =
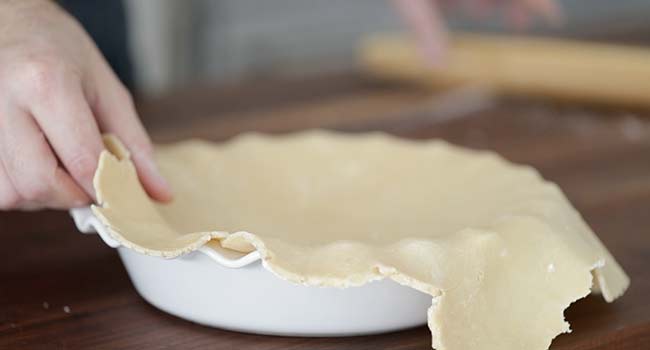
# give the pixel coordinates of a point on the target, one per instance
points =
(62, 290)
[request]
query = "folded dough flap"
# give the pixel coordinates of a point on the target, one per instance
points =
(134, 220)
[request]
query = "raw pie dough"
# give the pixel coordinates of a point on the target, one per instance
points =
(501, 251)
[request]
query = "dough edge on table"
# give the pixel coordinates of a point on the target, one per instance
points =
(464, 313)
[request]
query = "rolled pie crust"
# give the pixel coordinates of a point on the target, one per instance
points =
(501, 251)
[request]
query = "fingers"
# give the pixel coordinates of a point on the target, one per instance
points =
(30, 176)
(62, 113)
(426, 22)
(116, 114)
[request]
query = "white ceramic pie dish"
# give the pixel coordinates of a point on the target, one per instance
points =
(225, 289)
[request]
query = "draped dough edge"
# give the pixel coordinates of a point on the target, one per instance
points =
(115, 165)
(116, 158)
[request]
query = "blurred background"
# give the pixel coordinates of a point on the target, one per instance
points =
(174, 43)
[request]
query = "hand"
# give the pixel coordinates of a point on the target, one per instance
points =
(57, 93)
(426, 22)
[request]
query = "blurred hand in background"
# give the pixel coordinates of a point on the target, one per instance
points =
(425, 19)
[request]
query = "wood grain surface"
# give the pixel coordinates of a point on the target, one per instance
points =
(63, 290)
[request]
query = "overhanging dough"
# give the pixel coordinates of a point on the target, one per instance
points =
(502, 251)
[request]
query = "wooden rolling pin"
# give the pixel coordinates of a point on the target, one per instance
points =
(565, 69)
